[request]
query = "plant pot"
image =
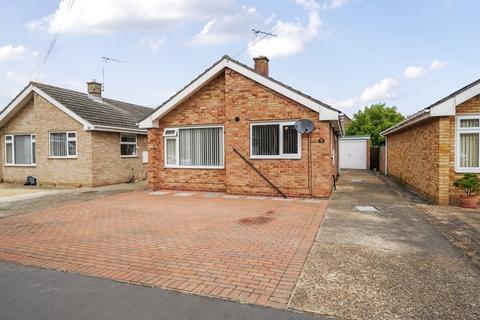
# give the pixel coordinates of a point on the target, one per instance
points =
(468, 201)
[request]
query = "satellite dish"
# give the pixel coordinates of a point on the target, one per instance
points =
(304, 126)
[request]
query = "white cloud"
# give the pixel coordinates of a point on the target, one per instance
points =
(153, 43)
(9, 51)
(343, 104)
(23, 78)
(109, 16)
(384, 89)
(334, 4)
(414, 72)
(230, 28)
(379, 92)
(437, 65)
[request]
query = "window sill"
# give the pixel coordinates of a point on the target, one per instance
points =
(467, 170)
(296, 157)
(129, 156)
(21, 165)
(62, 157)
(193, 167)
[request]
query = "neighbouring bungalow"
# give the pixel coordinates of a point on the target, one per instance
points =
(68, 138)
(232, 130)
(437, 145)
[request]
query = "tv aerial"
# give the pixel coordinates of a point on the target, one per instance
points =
(304, 126)
(106, 59)
(266, 34)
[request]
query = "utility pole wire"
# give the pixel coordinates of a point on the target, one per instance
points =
(55, 37)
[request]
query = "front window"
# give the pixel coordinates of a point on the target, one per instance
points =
(20, 149)
(63, 144)
(128, 145)
(274, 140)
(468, 144)
(200, 147)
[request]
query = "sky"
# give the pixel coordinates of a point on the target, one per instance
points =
(347, 53)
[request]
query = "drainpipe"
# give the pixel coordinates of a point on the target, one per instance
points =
(386, 155)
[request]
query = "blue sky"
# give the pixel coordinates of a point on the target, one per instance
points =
(349, 53)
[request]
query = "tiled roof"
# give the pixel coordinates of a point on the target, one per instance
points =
(251, 69)
(103, 112)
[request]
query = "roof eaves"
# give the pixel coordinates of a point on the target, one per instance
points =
(419, 116)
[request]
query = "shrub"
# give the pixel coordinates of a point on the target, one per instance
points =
(469, 184)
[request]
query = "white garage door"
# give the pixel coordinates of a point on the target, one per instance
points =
(353, 154)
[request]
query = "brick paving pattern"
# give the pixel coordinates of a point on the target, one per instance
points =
(248, 250)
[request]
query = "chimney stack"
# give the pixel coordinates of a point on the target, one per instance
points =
(261, 65)
(94, 88)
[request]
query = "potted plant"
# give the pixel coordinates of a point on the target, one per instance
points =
(470, 185)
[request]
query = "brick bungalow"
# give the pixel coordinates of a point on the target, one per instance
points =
(204, 137)
(64, 137)
(430, 149)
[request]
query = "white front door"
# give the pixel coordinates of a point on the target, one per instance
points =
(353, 154)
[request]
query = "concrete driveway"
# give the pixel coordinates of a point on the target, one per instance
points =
(377, 257)
(246, 249)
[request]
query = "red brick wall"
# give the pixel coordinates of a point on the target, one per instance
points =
(232, 95)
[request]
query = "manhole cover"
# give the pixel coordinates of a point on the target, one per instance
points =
(366, 209)
(183, 194)
(159, 193)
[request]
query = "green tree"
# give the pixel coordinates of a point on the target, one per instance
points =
(373, 120)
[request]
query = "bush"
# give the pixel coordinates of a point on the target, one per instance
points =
(469, 184)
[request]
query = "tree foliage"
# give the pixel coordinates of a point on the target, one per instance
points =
(373, 120)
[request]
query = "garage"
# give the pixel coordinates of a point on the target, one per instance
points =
(354, 152)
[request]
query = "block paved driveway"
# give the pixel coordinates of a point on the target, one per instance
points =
(244, 249)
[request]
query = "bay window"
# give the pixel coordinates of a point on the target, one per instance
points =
(20, 149)
(63, 144)
(194, 147)
(468, 143)
(274, 140)
(128, 145)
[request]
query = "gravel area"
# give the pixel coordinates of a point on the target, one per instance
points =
(54, 197)
(461, 226)
(361, 283)
(389, 264)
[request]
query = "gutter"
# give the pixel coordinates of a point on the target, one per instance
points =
(115, 129)
(417, 117)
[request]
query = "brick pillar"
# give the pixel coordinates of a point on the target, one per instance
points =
(444, 161)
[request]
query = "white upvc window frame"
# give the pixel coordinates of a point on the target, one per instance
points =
(129, 143)
(12, 142)
(174, 135)
(68, 156)
(281, 155)
(458, 132)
